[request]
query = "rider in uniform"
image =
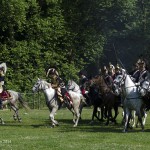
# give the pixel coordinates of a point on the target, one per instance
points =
(3, 69)
(134, 73)
(117, 70)
(141, 73)
(82, 80)
(57, 83)
(108, 78)
(111, 70)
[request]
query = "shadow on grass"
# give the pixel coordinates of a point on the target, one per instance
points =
(66, 125)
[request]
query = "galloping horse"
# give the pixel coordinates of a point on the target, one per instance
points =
(110, 100)
(73, 86)
(132, 98)
(53, 103)
(12, 101)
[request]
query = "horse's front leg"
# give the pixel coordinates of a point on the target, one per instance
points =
(126, 121)
(140, 119)
(108, 115)
(116, 113)
(94, 115)
(77, 114)
(133, 117)
(145, 116)
(52, 114)
(73, 113)
(2, 121)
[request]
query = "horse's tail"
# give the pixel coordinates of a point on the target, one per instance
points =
(22, 102)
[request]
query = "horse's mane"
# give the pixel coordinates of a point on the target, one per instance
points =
(47, 83)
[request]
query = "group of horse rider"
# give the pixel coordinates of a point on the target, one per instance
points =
(138, 75)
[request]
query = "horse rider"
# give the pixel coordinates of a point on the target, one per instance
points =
(57, 83)
(134, 73)
(82, 81)
(111, 70)
(117, 70)
(141, 73)
(107, 78)
(3, 69)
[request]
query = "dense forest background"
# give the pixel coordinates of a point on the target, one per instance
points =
(71, 35)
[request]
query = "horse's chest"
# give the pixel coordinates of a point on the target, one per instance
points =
(132, 103)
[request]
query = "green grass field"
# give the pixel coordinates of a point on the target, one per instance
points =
(34, 133)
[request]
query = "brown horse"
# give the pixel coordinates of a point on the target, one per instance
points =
(95, 100)
(110, 100)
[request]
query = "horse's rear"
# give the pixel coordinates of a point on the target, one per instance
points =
(12, 100)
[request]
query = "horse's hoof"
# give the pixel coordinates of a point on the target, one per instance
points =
(75, 125)
(124, 131)
(20, 120)
(52, 126)
(106, 124)
(3, 123)
(142, 130)
(91, 123)
(131, 127)
(101, 120)
(15, 118)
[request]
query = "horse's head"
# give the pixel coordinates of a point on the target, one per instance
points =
(118, 82)
(144, 89)
(37, 85)
(40, 85)
(116, 89)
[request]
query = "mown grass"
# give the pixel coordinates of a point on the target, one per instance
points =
(34, 133)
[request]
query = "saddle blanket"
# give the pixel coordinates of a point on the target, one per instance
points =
(4, 95)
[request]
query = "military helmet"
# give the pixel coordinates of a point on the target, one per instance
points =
(111, 66)
(52, 71)
(141, 62)
(117, 66)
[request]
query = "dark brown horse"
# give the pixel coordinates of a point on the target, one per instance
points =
(95, 100)
(110, 100)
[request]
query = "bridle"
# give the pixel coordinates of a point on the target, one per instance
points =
(38, 85)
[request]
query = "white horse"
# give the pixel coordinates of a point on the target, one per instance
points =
(53, 103)
(12, 101)
(73, 86)
(132, 99)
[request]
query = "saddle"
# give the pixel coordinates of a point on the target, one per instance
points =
(5, 95)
